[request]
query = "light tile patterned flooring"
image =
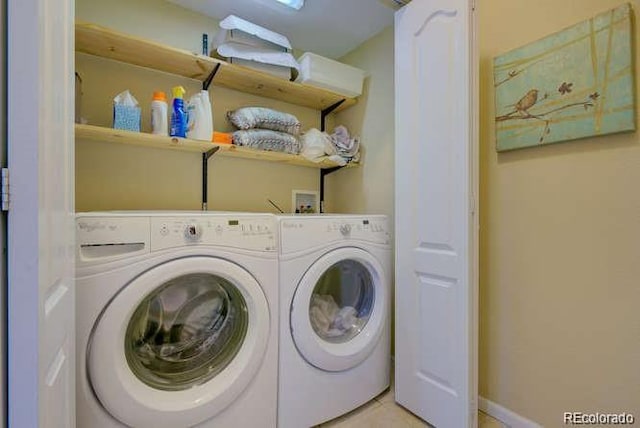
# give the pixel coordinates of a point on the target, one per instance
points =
(383, 412)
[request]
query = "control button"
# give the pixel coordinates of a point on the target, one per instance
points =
(219, 230)
(345, 229)
(193, 232)
(164, 230)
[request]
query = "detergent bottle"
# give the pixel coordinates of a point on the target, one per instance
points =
(159, 115)
(178, 114)
(199, 117)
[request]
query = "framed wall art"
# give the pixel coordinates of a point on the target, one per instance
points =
(573, 84)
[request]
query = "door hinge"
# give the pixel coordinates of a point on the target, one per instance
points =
(4, 185)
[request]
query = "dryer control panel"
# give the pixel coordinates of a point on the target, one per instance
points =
(250, 233)
(302, 232)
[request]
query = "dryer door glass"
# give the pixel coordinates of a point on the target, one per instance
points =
(342, 301)
(186, 331)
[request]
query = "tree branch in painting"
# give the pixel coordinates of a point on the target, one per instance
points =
(521, 108)
(510, 75)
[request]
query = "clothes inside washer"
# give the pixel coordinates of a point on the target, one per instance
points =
(186, 331)
(329, 319)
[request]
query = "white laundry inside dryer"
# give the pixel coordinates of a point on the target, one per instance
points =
(341, 302)
(329, 319)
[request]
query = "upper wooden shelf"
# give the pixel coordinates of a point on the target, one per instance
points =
(110, 135)
(96, 40)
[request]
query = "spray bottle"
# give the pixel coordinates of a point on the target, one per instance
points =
(178, 114)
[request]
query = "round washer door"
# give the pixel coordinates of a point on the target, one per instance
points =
(179, 343)
(339, 309)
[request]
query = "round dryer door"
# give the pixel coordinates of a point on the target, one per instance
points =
(339, 309)
(179, 343)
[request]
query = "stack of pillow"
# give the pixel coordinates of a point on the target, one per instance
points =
(265, 129)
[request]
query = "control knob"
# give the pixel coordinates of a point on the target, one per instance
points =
(193, 232)
(345, 229)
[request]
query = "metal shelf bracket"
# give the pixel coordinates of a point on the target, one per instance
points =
(324, 172)
(209, 79)
(205, 170)
(325, 112)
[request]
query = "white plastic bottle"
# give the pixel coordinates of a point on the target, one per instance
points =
(208, 114)
(159, 114)
(200, 117)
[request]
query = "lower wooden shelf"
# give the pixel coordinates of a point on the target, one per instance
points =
(99, 133)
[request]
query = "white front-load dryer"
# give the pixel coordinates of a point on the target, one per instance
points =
(335, 279)
(177, 318)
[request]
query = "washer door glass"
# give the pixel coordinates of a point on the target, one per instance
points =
(186, 331)
(339, 310)
(342, 301)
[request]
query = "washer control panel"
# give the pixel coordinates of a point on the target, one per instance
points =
(300, 232)
(251, 233)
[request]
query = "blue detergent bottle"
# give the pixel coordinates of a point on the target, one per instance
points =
(178, 114)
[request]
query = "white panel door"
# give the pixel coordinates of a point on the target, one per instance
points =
(40, 220)
(435, 222)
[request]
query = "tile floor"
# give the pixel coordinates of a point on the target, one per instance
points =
(383, 412)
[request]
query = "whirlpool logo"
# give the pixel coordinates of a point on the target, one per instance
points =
(91, 226)
(288, 225)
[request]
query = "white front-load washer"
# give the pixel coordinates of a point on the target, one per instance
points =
(335, 275)
(177, 318)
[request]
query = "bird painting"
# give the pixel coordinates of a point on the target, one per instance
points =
(523, 105)
(526, 102)
(571, 84)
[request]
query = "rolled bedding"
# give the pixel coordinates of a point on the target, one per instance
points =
(264, 118)
(264, 139)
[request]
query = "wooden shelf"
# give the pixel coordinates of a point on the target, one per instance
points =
(96, 40)
(98, 133)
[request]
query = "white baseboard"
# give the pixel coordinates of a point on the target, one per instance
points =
(504, 415)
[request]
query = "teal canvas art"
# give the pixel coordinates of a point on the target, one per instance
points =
(573, 84)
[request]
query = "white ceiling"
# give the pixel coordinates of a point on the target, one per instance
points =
(327, 27)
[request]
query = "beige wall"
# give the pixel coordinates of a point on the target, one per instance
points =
(560, 249)
(109, 176)
(369, 189)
